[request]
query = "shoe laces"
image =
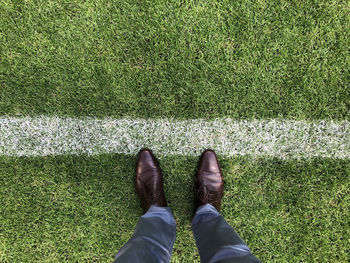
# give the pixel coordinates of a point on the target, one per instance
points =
(205, 195)
(154, 195)
(153, 198)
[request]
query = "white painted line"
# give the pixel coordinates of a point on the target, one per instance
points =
(40, 136)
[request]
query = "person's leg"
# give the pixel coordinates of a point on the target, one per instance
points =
(216, 240)
(155, 232)
(153, 239)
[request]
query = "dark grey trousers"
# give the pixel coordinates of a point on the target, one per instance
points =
(155, 233)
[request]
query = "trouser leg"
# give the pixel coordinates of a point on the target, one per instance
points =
(216, 240)
(153, 239)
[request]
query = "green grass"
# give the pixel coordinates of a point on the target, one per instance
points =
(178, 59)
(74, 209)
(243, 59)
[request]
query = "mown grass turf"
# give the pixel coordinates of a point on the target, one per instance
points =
(183, 59)
(56, 209)
(178, 59)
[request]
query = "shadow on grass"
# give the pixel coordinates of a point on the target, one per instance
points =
(80, 208)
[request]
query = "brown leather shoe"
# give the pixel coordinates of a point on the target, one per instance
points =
(209, 183)
(149, 181)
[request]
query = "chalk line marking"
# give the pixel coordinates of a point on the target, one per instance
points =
(43, 135)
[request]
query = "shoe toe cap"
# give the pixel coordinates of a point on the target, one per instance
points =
(209, 162)
(146, 160)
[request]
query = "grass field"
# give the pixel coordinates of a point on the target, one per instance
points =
(183, 60)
